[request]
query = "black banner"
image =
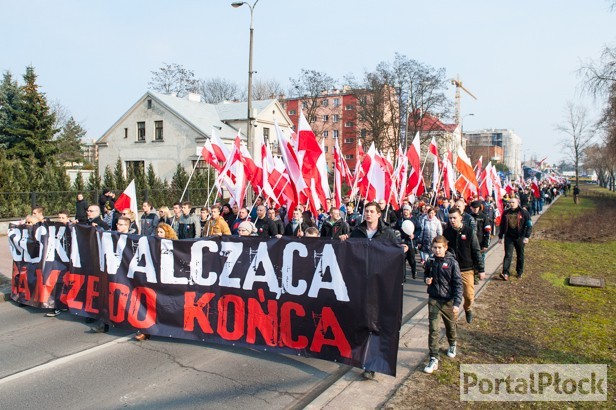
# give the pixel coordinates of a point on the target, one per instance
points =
(338, 301)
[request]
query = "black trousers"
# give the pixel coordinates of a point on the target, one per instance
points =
(510, 245)
(410, 258)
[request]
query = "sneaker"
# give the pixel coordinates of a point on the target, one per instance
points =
(452, 351)
(469, 316)
(368, 375)
(102, 328)
(504, 276)
(432, 365)
(55, 313)
(519, 276)
(414, 275)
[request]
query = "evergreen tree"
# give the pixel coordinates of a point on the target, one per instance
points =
(33, 126)
(108, 180)
(69, 142)
(9, 97)
(178, 182)
(94, 181)
(78, 184)
(118, 175)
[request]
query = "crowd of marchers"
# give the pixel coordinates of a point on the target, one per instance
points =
(447, 235)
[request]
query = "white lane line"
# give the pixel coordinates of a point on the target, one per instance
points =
(63, 360)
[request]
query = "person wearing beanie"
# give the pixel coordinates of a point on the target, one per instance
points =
(246, 228)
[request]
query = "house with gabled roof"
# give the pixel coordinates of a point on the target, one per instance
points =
(165, 130)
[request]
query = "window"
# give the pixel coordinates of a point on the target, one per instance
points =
(335, 133)
(349, 140)
(201, 165)
(149, 104)
(135, 168)
(326, 134)
(325, 102)
(363, 133)
(336, 102)
(348, 156)
(326, 149)
(141, 131)
(158, 130)
(304, 105)
(335, 118)
(325, 118)
(348, 124)
(292, 112)
(125, 132)
(349, 107)
(312, 119)
(266, 133)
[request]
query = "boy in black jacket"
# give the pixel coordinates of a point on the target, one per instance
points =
(442, 275)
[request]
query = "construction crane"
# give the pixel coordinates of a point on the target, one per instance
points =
(456, 81)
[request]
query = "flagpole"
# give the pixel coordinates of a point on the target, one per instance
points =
(190, 177)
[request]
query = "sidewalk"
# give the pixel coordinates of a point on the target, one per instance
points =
(353, 391)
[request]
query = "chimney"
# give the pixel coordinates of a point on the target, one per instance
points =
(194, 97)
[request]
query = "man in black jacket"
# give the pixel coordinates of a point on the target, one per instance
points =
(334, 226)
(265, 226)
(94, 217)
(464, 245)
(373, 228)
(516, 227)
(81, 209)
(484, 229)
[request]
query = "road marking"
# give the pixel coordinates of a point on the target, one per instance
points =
(62, 360)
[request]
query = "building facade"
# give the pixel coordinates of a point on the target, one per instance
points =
(333, 116)
(503, 140)
(165, 130)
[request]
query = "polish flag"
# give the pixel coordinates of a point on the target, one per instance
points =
(448, 174)
(219, 148)
(233, 175)
(128, 200)
(209, 156)
(435, 173)
(413, 153)
(291, 161)
(534, 185)
(313, 166)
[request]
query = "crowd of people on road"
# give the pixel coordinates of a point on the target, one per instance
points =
(448, 237)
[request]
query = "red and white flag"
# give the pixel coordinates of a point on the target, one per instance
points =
(448, 175)
(466, 184)
(534, 185)
(313, 166)
(128, 200)
(435, 173)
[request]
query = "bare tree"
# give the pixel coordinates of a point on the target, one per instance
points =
(579, 134)
(406, 90)
(266, 89)
(310, 86)
(174, 78)
(216, 90)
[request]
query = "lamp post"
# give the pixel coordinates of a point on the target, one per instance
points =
(462, 127)
(249, 142)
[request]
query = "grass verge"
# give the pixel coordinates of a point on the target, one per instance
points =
(540, 318)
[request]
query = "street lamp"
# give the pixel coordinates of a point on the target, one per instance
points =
(249, 141)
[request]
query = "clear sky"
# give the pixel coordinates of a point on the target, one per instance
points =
(520, 58)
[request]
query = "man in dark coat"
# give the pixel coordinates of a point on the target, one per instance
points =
(516, 227)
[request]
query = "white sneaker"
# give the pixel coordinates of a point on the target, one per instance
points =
(452, 351)
(432, 365)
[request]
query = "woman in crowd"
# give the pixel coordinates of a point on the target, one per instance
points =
(431, 227)
(246, 228)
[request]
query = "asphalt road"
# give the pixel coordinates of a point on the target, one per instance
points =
(60, 363)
